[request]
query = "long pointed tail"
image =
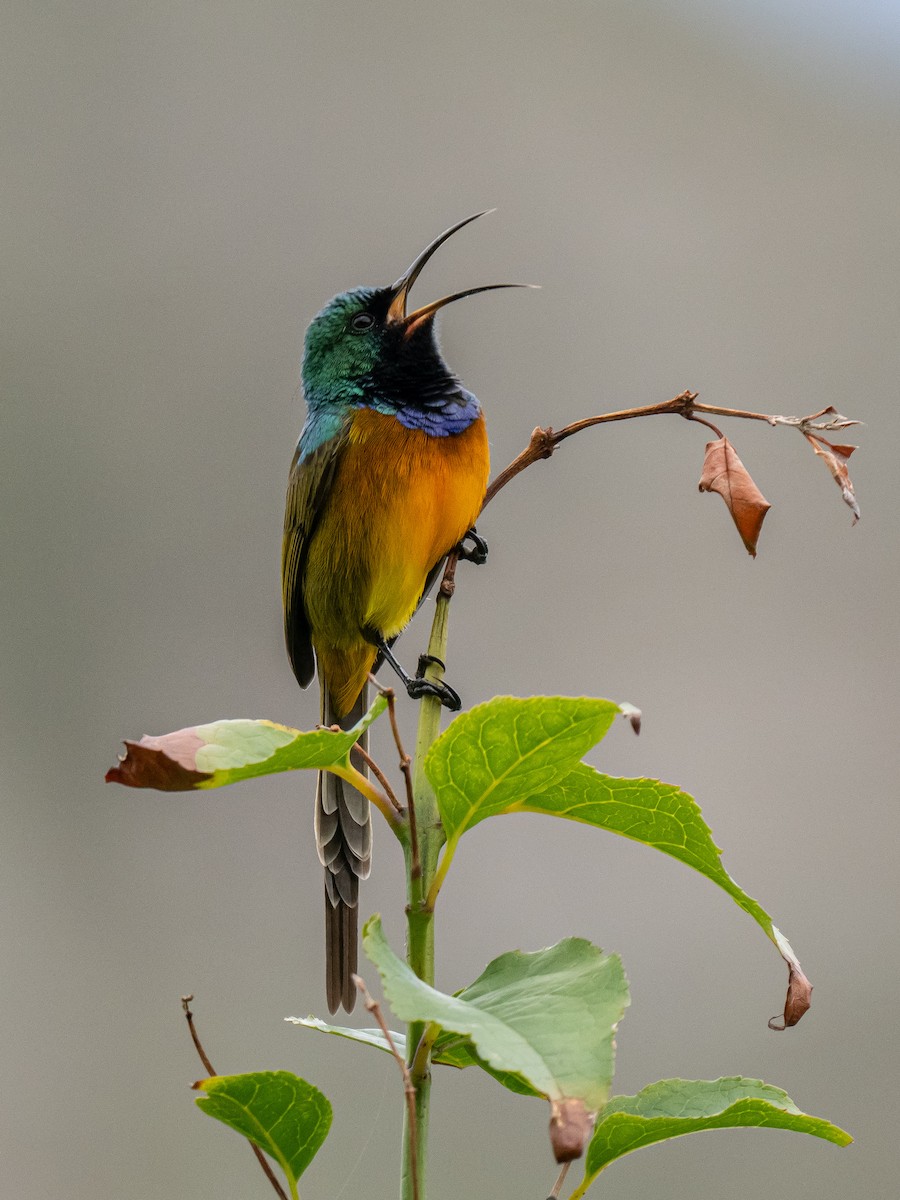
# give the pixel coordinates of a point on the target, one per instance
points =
(344, 843)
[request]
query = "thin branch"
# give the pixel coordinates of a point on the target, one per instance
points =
(195, 1037)
(405, 760)
(260, 1157)
(379, 775)
(560, 1180)
(544, 441)
(373, 1007)
(406, 770)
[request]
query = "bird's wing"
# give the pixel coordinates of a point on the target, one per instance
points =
(309, 484)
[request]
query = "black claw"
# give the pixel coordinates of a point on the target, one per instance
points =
(427, 660)
(417, 688)
(478, 551)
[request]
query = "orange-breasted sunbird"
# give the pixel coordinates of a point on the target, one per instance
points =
(388, 477)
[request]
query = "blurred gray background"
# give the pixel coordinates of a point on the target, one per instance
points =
(708, 194)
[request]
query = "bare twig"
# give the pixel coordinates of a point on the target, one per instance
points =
(560, 1180)
(195, 1037)
(260, 1157)
(373, 1007)
(405, 760)
(406, 770)
(379, 775)
(542, 444)
(544, 441)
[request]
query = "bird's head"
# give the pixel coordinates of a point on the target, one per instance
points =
(365, 344)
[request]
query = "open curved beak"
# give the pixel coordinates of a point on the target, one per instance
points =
(397, 313)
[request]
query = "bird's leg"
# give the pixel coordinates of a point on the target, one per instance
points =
(478, 551)
(419, 687)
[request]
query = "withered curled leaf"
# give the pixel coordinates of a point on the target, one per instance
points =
(799, 991)
(167, 764)
(570, 1127)
(797, 1001)
(836, 459)
(723, 472)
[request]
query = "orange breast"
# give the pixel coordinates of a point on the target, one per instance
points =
(400, 501)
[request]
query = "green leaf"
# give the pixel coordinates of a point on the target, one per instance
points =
(497, 753)
(673, 1107)
(223, 752)
(511, 756)
(284, 1115)
(450, 1050)
(548, 1017)
(366, 1037)
(658, 815)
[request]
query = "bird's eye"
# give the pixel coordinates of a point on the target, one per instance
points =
(362, 322)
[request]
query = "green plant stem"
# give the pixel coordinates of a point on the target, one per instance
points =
(420, 914)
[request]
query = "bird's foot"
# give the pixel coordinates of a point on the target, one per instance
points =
(420, 686)
(476, 553)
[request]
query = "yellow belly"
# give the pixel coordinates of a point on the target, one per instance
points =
(399, 502)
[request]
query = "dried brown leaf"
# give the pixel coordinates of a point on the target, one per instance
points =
(836, 459)
(166, 763)
(723, 472)
(570, 1127)
(797, 1001)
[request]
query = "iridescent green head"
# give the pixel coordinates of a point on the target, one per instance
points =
(350, 343)
(363, 347)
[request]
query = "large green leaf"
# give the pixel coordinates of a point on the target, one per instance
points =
(514, 755)
(223, 752)
(284, 1115)
(548, 1016)
(497, 753)
(674, 1107)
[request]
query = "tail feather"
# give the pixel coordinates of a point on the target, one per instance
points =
(341, 949)
(344, 842)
